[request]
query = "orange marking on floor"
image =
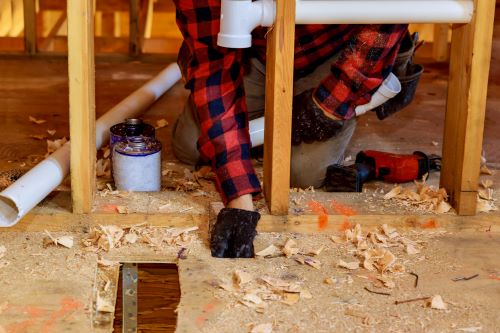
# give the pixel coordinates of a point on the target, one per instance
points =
(343, 209)
(322, 213)
(346, 224)
(33, 312)
(430, 224)
(67, 305)
(494, 277)
(209, 307)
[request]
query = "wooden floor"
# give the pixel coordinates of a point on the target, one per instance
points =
(49, 290)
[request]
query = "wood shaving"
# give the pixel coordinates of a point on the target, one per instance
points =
(486, 194)
(411, 250)
(349, 265)
(161, 123)
(435, 143)
(388, 282)
(38, 136)
(106, 152)
(107, 263)
(290, 298)
(66, 241)
(366, 319)
(470, 329)
(315, 263)
(392, 193)
(103, 168)
(443, 207)
(36, 121)
(51, 132)
(53, 145)
(241, 277)
(436, 302)
(389, 231)
(262, 328)
(270, 251)
(252, 298)
(104, 305)
(485, 170)
(487, 183)
(122, 209)
(338, 240)
(131, 238)
(290, 248)
(485, 206)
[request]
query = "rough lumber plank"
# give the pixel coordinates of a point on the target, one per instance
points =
(29, 8)
(466, 105)
(440, 49)
(81, 103)
(102, 322)
(279, 94)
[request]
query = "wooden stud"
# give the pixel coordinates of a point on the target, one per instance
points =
(134, 35)
(29, 8)
(279, 94)
(466, 106)
(440, 47)
(81, 103)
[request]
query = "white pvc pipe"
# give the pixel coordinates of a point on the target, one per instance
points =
(22, 196)
(240, 17)
(256, 129)
(387, 90)
(383, 11)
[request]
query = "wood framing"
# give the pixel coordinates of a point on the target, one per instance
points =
(134, 34)
(466, 106)
(81, 103)
(440, 47)
(279, 94)
(29, 8)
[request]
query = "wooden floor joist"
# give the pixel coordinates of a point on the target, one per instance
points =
(81, 102)
(466, 107)
(279, 94)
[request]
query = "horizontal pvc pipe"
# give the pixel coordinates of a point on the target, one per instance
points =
(383, 11)
(22, 196)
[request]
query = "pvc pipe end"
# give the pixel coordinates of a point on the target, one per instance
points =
(9, 212)
(234, 41)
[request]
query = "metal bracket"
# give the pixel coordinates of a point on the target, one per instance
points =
(129, 283)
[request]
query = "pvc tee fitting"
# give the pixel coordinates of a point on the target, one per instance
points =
(240, 17)
(389, 89)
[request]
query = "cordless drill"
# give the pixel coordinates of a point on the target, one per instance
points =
(377, 165)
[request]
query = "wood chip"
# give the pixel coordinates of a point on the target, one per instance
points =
(252, 298)
(241, 277)
(107, 263)
(262, 328)
(389, 231)
(290, 248)
(435, 143)
(66, 241)
(487, 183)
(290, 298)
(436, 302)
(411, 250)
(104, 305)
(315, 252)
(122, 209)
(388, 282)
(131, 238)
(51, 132)
(53, 145)
(485, 170)
(36, 121)
(485, 206)
(443, 207)
(338, 240)
(161, 123)
(393, 193)
(315, 263)
(270, 251)
(38, 136)
(349, 265)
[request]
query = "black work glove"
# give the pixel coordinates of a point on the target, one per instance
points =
(233, 234)
(309, 122)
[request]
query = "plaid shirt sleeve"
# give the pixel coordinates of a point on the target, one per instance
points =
(365, 60)
(215, 77)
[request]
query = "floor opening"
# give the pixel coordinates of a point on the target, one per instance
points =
(158, 294)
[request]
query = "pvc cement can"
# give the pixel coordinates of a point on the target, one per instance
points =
(137, 165)
(129, 128)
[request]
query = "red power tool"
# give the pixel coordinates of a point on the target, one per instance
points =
(377, 165)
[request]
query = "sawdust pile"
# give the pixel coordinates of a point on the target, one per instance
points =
(107, 237)
(257, 292)
(423, 197)
(188, 181)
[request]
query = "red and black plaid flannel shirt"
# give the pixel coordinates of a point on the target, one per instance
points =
(215, 77)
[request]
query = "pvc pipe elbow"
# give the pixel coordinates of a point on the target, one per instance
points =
(240, 17)
(387, 90)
